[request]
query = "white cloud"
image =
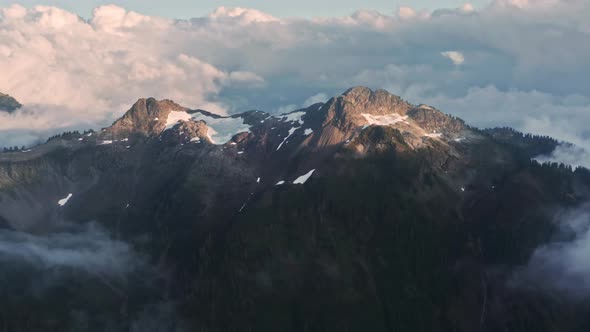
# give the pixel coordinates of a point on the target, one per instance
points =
(467, 8)
(245, 76)
(522, 4)
(317, 98)
(456, 57)
(243, 15)
(75, 73)
(112, 19)
(406, 12)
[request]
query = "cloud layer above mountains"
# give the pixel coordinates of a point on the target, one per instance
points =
(522, 63)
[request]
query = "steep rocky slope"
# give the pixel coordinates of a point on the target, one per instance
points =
(361, 213)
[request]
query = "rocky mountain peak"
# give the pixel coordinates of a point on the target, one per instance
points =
(8, 103)
(146, 117)
(339, 121)
(364, 100)
(360, 107)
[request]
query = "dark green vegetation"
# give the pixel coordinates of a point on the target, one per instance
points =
(8, 104)
(385, 244)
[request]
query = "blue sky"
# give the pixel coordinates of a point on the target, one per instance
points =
(281, 8)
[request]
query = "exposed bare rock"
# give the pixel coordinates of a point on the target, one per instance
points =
(146, 117)
(347, 115)
(433, 120)
(188, 132)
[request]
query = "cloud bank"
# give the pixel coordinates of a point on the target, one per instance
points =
(522, 63)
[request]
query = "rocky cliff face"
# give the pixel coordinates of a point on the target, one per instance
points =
(361, 213)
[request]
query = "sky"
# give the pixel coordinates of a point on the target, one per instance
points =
(281, 8)
(518, 63)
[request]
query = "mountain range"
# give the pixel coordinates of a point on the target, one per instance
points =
(362, 213)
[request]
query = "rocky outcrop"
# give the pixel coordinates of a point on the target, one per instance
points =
(433, 120)
(188, 132)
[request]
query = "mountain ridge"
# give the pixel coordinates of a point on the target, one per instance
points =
(338, 119)
(361, 213)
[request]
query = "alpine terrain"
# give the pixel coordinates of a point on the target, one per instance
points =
(362, 213)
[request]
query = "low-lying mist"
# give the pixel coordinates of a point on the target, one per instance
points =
(562, 265)
(88, 248)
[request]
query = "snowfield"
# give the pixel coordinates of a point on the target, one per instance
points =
(384, 120)
(220, 130)
(293, 117)
(175, 117)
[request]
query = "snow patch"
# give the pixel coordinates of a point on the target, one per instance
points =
(196, 139)
(384, 120)
(65, 200)
(434, 135)
(243, 206)
(293, 117)
(291, 131)
(280, 183)
(223, 129)
(105, 142)
(175, 117)
(302, 179)
(258, 180)
(308, 132)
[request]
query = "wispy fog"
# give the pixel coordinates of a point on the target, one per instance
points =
(88, 248)
(564, 264)
(568, 154)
